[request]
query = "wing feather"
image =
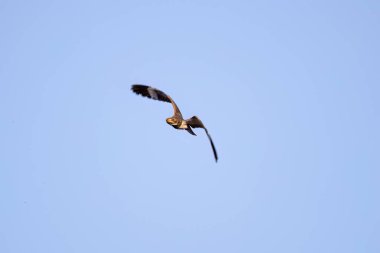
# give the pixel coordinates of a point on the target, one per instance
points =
(195, 122)
(153, 93)
(150, 92)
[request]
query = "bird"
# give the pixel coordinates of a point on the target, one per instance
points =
(176, 121)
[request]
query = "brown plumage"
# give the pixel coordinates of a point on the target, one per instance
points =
(176, 120)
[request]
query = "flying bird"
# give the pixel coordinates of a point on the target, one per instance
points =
(176, 120)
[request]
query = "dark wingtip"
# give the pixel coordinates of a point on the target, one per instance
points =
(133, 87)
(138, 86)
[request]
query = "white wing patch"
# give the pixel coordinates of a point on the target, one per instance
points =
(152, 93)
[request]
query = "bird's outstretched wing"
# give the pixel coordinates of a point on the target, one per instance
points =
(153, 93)
(195, 122)
(150, 92)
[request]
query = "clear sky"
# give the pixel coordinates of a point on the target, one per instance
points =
(289, 91)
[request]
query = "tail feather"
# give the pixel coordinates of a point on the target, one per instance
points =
(190, 130)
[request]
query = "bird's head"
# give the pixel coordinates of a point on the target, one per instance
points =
(172, 121)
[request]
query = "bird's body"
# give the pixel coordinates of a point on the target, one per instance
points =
(176, 120)
(181, 124)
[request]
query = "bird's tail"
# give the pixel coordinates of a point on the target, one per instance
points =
(190, 130)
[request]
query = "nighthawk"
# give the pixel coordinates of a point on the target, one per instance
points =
(176, 120)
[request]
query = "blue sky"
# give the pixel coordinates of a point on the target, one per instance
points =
(288, 90)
